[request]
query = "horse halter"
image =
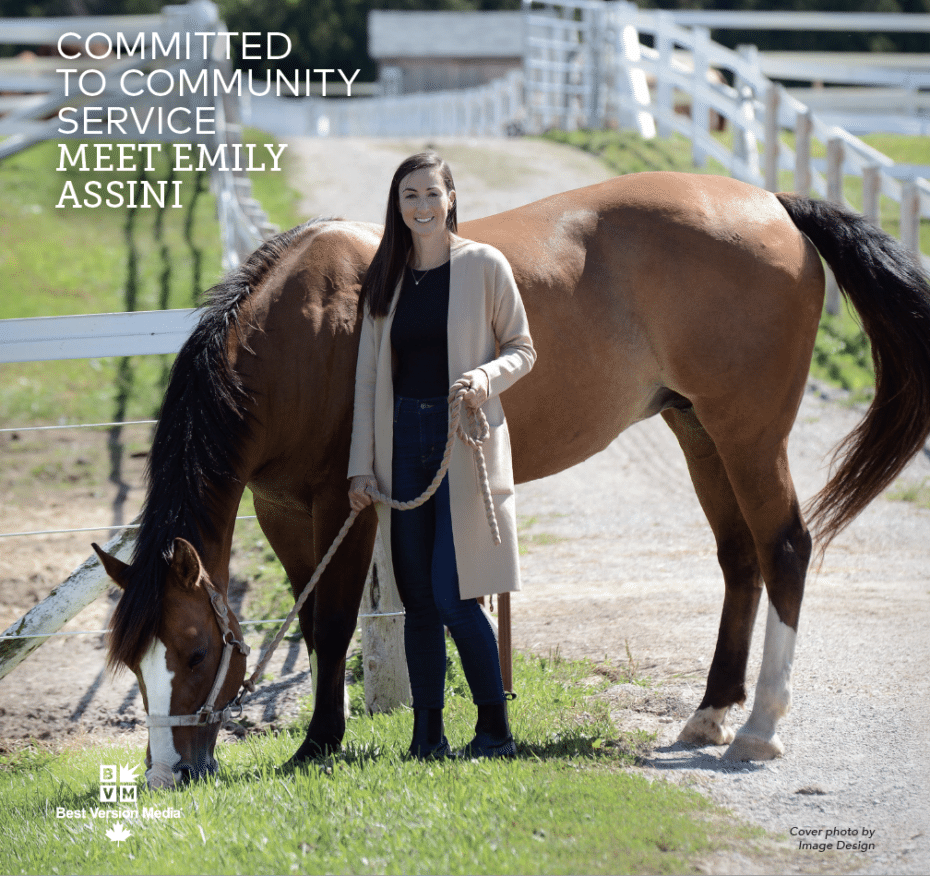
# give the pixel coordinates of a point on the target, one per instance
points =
(207, 713)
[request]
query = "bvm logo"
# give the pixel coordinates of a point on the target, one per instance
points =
(117, 783)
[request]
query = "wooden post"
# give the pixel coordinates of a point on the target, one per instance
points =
(387, 684)
(82, 587)
(910, 216)
(636, 86)
(745, 147)
(592, 74)
(504, 640)
(835, 158)
(803, 128)
(664, 103)
(871, 190)
(700, 112)
(772, 138)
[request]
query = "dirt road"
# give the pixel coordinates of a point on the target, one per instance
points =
(620, 565)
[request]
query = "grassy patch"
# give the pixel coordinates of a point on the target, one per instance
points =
(918, 493)
(72, 261)
(628, 152)
(843, 355)
(568, 803)
(530, 536)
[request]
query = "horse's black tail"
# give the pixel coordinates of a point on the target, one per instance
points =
(890, 291)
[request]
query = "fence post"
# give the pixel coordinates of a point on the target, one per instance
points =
(664, 45)
(700, 112)
(745, 148)
(871, 190)
(803, 127)
(772, 137)
(593, 72)
(628, 59)
(910, 217)
(387, 684)
(835, 157)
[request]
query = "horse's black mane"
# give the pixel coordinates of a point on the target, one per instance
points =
(203, 422)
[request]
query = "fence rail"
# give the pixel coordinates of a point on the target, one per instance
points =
(491, 110)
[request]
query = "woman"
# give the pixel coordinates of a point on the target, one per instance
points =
(436, 308)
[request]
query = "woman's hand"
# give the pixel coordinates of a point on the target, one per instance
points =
(477, 394)
(359, 497)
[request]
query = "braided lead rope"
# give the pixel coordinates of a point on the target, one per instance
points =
(479, 425)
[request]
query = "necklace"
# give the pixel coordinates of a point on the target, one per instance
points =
(413, 274)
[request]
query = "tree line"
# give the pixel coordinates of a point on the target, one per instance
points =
(334, 33)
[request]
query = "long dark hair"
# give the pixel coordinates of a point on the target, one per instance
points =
(388, 264)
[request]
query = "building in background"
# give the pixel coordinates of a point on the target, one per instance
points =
(439, 51)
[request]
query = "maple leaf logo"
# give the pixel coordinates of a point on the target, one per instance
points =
(118, 832)
(127, 774)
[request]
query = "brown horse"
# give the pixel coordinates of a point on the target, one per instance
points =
(694, 297)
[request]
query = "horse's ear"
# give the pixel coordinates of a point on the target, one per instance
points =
(115, 568)
(185, 563)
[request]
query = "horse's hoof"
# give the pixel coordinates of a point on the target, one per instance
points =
(706, 727)
(746, 747)
(309, 752)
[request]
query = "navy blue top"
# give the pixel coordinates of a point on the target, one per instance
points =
(419, 334)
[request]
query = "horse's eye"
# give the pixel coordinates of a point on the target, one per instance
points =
(197, 657)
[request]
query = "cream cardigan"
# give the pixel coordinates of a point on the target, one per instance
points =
(489, 341)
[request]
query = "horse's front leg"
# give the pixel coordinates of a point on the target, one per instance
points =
(335, 615)
(328, 617)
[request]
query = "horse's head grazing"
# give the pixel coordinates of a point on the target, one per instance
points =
(178, 662)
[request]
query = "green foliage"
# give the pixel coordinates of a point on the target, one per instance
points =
(842, 354)
(568, 803)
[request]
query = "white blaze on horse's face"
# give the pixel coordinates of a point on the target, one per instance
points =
(156, 679)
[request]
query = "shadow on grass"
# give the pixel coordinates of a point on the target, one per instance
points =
(619, 751)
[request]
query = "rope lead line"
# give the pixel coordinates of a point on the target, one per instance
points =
(479, 425)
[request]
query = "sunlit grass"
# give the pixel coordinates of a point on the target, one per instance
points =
(568, 803)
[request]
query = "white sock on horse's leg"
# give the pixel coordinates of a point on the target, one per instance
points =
(757, 739)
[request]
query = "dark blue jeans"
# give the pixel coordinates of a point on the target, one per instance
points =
(425, 568)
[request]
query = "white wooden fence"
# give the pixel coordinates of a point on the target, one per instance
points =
(485, 111)
(584, 68)
(152, 333)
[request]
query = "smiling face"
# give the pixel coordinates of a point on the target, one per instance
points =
(425, 203)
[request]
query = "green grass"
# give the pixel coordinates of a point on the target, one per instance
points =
(530, 536)
(628, 152)
(918, 494)
(568, 804)
(72, 261)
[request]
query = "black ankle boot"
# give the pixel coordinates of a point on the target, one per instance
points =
(492, 734)
(429, 741)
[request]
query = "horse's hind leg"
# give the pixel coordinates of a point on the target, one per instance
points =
(736, 553)
(756, 462)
